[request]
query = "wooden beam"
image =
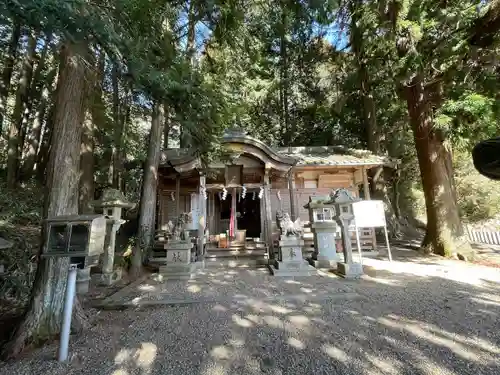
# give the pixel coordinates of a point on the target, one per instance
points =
(233, 211)
(366, 186)
(202, 205)
(269, 219)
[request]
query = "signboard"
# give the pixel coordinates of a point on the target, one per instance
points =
(369, 214)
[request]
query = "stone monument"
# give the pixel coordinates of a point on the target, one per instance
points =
(112, 202)
(290, 262)
(343, 201)
(324, 228)
(179, 265)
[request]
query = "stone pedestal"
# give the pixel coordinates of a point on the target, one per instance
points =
(82, 280)
(178, 265)
(348, 268)
(325, 250)
(291, 262)
(108, 274)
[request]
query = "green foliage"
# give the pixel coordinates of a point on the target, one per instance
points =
(20, 218)
(478, 196)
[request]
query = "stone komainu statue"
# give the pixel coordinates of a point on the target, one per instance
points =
(286, 225)
(175, 231)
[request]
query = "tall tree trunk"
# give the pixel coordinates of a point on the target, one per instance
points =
(35, 94)
(36, 133)
(149, 188)
(112, 173)
(42, 158)
(166, 128)
(8, 69)
(285, 82)
(43, 315)
(445, 234)
(185, 139)
(15, 128)
(87, 167)
(378, 184)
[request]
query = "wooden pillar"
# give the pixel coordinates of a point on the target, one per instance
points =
(366, 189)
(177, 195)
(366, 185)
(291, 189)
(202, 206)
(269, 219)
(233, 210)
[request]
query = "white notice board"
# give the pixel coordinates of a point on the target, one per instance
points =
(369, 214)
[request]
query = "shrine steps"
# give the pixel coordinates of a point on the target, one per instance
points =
(249, 256)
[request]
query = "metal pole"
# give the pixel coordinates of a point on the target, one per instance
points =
(68, 310)
(387, 243)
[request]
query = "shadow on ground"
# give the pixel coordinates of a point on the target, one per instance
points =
(391, 322)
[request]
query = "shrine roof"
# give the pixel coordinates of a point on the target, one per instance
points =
(332, 156)
(282, 157)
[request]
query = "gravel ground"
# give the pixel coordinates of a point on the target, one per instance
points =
(417, 316)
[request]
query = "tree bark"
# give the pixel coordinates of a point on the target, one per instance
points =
(87, 167)
(149, 189)
(445, 234)
(8, 69)
(15, 128)
(43, 315)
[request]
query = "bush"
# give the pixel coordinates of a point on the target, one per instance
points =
(20, 217)
(478, 197)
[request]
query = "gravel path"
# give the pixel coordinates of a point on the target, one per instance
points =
(419, 316)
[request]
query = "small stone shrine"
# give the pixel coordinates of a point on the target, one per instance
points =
(290, 262)
(324, 228)
(78, 237)
(112, 202)
(343, 201)
(178, 248)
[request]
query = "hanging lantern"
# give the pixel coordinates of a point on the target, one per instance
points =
(243, 191)
(172, 196)
(261, 192)
(278, 194)
(253, 195)
(224, 194)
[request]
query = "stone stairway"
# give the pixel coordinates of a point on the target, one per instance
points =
(253, 254)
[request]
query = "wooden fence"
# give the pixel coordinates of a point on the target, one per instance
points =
(483, 236)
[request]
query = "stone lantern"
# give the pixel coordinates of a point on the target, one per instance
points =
(343, 200)
(112, 202)
(324, 227)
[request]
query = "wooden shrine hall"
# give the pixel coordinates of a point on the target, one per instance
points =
(234, 201)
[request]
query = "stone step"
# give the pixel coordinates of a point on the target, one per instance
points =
(241, 253)
(236, 263)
